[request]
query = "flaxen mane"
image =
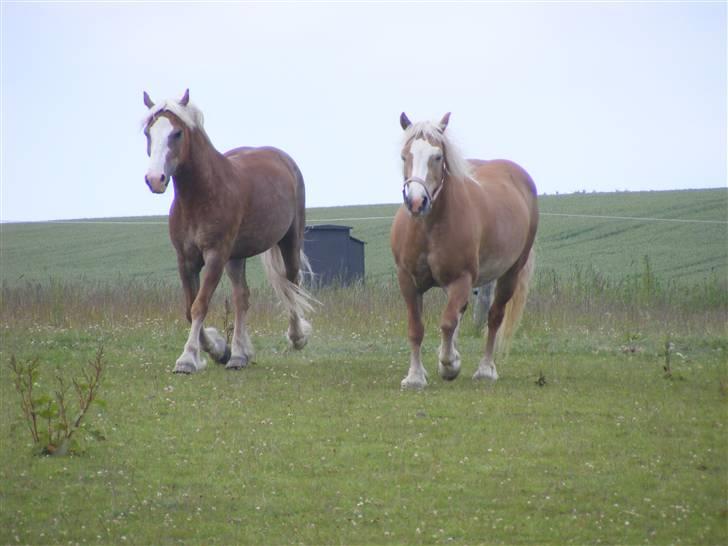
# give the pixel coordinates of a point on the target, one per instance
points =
(190, 115)
(458, 167)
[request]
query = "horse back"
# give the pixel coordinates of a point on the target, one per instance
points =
(508, 174)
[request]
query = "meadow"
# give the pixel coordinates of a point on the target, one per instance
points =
(586, 438)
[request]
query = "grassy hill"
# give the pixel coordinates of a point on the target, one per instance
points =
(576, 231)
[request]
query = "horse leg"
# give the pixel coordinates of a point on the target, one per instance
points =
(299, 329)
(210, 339)
(504, 289)
(457, 300)
(214, 344)
(190, 361)
(417, 375)
(242, 348)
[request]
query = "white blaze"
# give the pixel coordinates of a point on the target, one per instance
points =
(421, 151)
(159, 146)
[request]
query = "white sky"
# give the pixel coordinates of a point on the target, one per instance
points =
(585, 96)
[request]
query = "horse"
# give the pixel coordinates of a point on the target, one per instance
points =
(463, 223)
(226, 208)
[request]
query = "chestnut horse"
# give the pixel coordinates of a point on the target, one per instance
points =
(463, 223)
(226, 208)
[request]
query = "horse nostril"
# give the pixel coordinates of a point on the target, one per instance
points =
(424, 203)
(146, 179)
(162, 178)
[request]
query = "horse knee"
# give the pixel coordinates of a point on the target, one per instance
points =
(416, 334)
(448, 327)
(198, 310)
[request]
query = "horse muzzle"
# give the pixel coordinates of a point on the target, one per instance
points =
(416, 197)
(157, 182)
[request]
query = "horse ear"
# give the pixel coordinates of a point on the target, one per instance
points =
(404, 121)
(185, 98)
(148, 101)
(443, 122)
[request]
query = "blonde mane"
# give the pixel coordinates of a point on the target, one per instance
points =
(190, 115)
(457, 165)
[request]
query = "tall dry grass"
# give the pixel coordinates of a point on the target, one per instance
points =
(584, 298)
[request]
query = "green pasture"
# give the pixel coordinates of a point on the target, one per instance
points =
(322, 447)
(587, 438)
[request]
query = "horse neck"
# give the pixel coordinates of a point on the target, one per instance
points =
(444, 201)
(196, 176)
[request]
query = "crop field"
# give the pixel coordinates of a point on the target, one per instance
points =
(608, 424)
(576, 231)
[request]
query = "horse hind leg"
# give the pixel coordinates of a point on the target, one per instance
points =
(511, 292)
(281, 264)
(299, 329)
(486, 367)
(503, 292)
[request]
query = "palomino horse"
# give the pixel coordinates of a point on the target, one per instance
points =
(226, 208)
(463, 224)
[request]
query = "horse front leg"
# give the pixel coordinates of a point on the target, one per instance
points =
(417, 375)
(190, 360)
(458, 293)
(242, 348)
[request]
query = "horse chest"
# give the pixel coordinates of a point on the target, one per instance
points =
(429, 268)
(194, 238)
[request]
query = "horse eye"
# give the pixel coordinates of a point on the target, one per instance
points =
(438, 157)
(177, 134)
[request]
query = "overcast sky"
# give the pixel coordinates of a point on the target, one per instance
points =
(585, 96)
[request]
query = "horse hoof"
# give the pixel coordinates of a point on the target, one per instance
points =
(298, 334)
(225, 358)
(449, 372)
(409, 383)
(186, 368)
(236, 363)
(298, 343)
(486, 375)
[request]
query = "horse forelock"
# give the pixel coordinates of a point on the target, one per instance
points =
(458, 167)
(190, 115)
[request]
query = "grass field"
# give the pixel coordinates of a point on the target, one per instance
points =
(322, 447)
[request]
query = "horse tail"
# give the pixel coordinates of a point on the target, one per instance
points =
(515, 306)
(295, 299)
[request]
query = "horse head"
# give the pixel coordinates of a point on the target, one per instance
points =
(167, 128)
(424, 163)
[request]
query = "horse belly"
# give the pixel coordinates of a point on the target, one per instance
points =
(251, 241)
(492, 269)
(268, 217)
